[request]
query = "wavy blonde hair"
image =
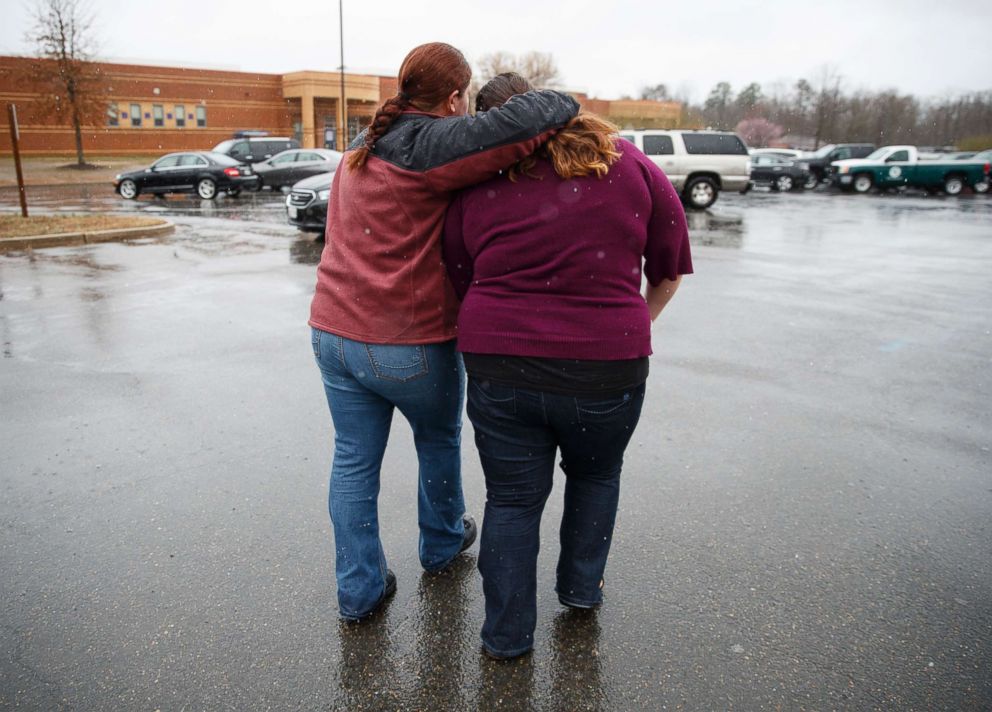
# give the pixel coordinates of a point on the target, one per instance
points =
(586, 145)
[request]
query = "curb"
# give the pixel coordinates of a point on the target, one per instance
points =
(65, 239)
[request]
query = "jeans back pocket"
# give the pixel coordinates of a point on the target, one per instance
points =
(601, 410)
(397, 362)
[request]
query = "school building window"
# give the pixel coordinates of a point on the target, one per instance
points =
(201, 116)
(112, 115)
(180, 116)
(136, 115)
(158, 115)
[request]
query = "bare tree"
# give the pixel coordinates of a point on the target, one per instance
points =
(538, 67)
(495, 63)
(715, 110)
(62, 35)
(659, 92)
(749, 99)
(827, 104)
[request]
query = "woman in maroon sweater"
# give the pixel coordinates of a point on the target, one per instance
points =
(555, 335)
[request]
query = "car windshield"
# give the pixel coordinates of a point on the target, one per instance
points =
(223, 146)
(823, 151)
(876, 154)
(223, 160)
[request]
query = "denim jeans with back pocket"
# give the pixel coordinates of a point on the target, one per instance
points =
(517, 432)
(364, 384)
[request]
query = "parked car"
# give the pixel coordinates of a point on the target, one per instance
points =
(898, 166)
(306, 205)
(819, 161)
(291, 166)
(780, 173)
(985, 156)
(202, 172)
(253, 150)
(699, 163)
(790, 153)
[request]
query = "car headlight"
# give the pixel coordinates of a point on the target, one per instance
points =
(324, 194)
(118, 176)
(804, 165)
(843, 169)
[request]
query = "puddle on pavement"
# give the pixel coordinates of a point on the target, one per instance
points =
(716, 229)
(306, 250)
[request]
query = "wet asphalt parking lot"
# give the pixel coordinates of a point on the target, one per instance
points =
(804, 521)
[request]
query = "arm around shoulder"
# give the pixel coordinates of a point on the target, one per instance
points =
(478, 147)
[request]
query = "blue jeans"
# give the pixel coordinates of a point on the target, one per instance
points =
(517, 432)
(364, 383)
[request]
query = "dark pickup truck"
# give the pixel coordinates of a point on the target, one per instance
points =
(819, 161)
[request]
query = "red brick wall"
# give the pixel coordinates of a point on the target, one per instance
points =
(233, 101)
(388, 86)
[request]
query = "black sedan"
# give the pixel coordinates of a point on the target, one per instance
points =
(306, 205)
(288, 167)
(779, 173)
(202, 172)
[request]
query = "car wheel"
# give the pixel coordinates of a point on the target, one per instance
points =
(206, 189)
(981, 186)
(701, 193)
(811, 182)
(784, 183)
(953, 185)
(862, 183)
(258, 185)
(128, 189)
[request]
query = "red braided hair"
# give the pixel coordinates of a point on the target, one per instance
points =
(427, 77)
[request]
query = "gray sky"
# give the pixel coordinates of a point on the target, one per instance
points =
(606, 49)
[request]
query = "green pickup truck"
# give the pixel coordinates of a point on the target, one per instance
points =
(897, 166)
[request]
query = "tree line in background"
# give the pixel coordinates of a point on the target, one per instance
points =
(806, 114)
(812, 113)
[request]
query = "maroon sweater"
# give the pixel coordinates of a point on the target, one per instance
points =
(552, 267)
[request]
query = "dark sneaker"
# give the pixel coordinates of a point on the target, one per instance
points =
(386, 594)
(496, 656)
(581, 605)
(468, 538)
(471, 532)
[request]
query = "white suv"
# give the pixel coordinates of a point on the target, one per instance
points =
(699, 163)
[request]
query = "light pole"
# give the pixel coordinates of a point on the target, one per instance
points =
(344, 103)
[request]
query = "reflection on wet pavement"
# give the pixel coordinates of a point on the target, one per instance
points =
(716, 228)
(306, 250)
(806, 481)
(444, 636)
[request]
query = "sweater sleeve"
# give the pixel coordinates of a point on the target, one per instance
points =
(466, 150)
(456, 257)
(666, 252)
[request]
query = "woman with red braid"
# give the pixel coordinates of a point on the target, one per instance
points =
(383, 315)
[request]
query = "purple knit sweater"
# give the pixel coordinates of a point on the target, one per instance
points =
(552, 267)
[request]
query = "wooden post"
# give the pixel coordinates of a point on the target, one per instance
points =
(15, 134)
